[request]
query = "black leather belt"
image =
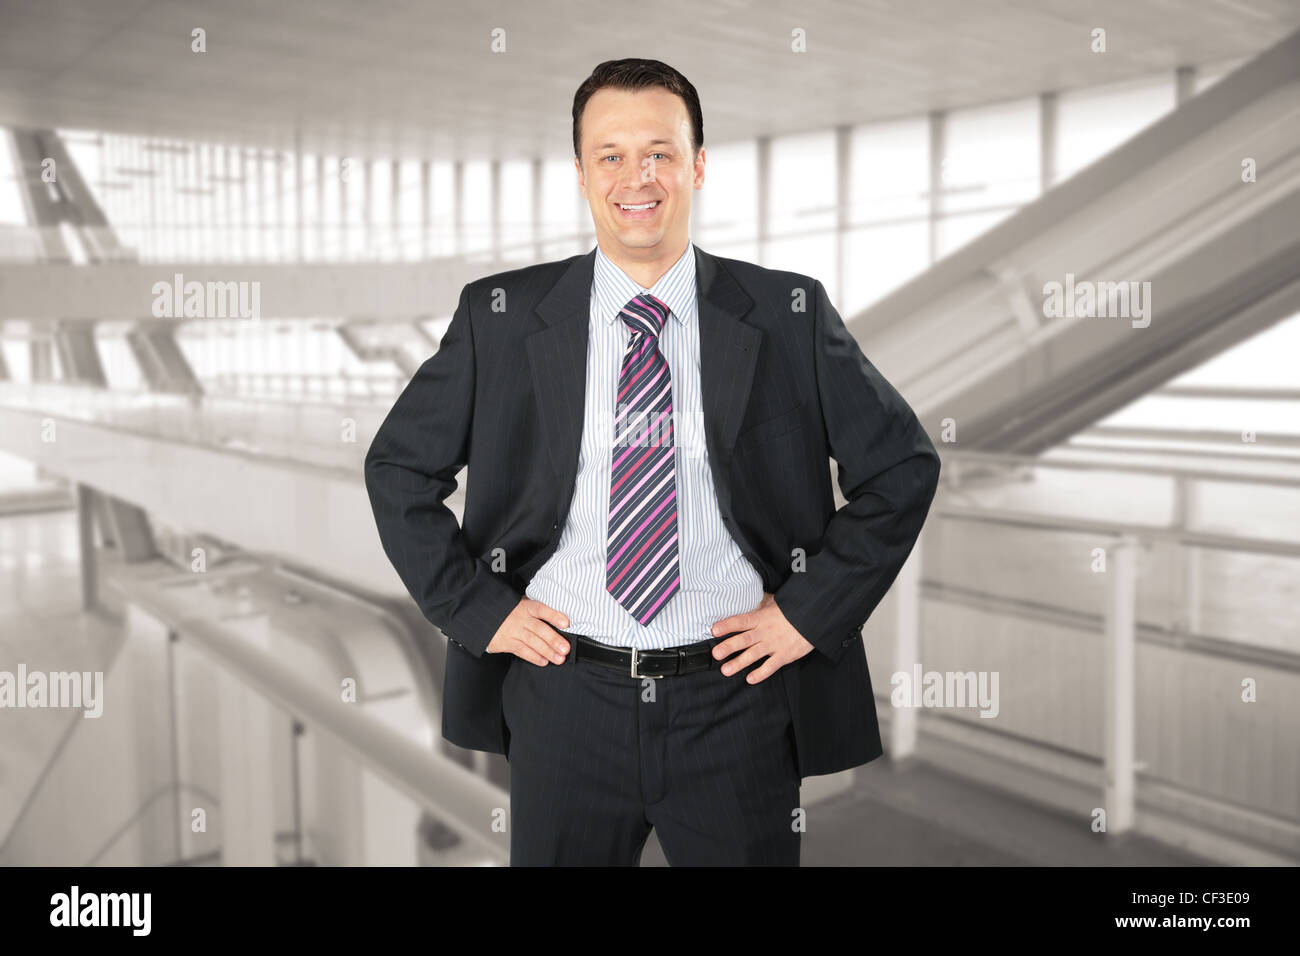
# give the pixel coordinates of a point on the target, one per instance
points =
(657, 662)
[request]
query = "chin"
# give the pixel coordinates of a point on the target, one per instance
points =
(640, 240)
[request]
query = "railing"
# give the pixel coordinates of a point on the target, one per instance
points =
(313, 386)
(249, 726)
(321, 433)
(1160, 700)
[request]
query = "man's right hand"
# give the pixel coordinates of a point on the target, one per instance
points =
(528, 633)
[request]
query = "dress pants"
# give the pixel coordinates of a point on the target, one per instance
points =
(598, 757)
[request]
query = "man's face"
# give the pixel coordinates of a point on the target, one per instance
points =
(636, 150)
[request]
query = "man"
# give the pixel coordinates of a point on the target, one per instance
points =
(653, 608)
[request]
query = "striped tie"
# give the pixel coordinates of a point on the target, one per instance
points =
(641, 548)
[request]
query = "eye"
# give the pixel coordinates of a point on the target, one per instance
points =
(610, 156)
(664, 155)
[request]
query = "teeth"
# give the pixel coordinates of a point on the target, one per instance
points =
(642, 206)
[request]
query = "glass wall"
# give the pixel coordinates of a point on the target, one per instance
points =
(913, 190)
(1092, 122)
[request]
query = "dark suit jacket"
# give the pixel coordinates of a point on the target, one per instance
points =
(784, 388)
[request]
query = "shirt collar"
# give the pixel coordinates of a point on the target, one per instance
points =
(676, 287)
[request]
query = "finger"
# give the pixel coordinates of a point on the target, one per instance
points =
(549, 614)
(752, 654)
(763, 672)
(737, 622)
(525, 651)
(556, 646)
(724, 649)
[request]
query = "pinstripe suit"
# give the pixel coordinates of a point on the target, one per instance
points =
(783, 388)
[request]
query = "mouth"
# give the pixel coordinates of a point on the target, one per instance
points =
(646, 210)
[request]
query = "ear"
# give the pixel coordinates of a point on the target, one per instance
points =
(582, 179)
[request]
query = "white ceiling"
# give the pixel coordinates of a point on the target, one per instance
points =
(412, 78)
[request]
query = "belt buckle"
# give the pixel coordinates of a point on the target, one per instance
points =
(635, 658)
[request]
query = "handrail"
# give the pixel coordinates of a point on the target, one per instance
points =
(332, 467)
(1078, 444)
(1100, 464)
(1205, 435)
(437, 783)
(1207, 644)
(177, 399)
(1248, 393)
(1199, 539)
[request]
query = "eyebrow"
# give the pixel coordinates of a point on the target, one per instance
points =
(653, 142)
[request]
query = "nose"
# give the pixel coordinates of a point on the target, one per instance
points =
(632, 177)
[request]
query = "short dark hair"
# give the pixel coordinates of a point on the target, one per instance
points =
(636, 74)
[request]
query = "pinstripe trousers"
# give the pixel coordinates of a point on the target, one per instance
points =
(597, 758)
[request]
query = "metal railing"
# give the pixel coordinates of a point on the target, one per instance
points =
(252, 680)
(328, 434)
(1041, 636)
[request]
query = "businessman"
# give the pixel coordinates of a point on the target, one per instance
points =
(653, 608)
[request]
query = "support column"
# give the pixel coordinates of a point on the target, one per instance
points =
(79, 352)
(43, 213)
(1186, 558)
(458, 207)
(1184, 85)
(843, 205)
(41, 350)
(494, 204)
(395, 210)
(1120, 680)
(1048, 125)
(162, 363)
(426, 211)
(907, 651)
(247, 792)
(764, 208)
(86, 545)
(938, 149)
(539, 179)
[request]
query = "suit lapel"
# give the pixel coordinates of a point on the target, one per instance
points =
(557, 358)
(728, 352)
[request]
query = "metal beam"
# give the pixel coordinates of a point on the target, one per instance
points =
(124, 290)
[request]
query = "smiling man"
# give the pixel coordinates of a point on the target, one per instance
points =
(652, 606)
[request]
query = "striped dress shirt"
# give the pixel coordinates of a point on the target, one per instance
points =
(716, 578)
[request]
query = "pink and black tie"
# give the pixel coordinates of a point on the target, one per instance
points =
(641, 549)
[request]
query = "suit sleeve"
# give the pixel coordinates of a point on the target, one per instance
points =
(410, 470)
(888, 474)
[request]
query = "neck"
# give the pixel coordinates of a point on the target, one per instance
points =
(645, 272)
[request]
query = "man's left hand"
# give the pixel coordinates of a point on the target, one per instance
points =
(764, 633)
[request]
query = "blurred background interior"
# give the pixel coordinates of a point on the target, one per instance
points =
(181, 499)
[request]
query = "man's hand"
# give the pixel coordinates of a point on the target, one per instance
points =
(765, 633)
(527, 633)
